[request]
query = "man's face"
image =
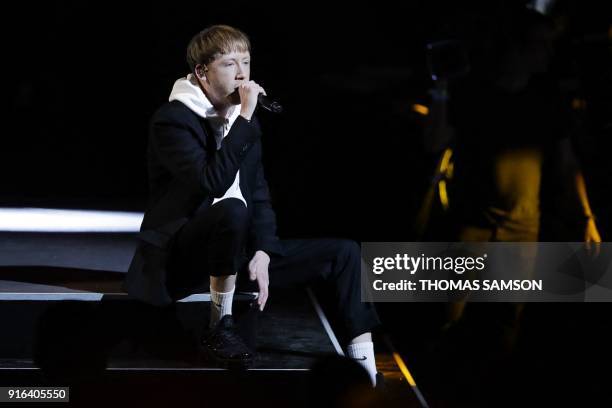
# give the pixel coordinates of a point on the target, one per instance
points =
(224, 75)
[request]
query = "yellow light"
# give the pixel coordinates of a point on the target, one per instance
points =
(445, 161)
(443, 194)
(420, 109)
(446, 168)
(404, 369)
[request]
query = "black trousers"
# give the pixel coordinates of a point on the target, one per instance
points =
(212, 244)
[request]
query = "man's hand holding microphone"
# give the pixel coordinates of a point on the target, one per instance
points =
(249, 92)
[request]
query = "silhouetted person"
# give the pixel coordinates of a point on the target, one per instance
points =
(506, 122)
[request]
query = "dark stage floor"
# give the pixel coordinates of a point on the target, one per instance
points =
(67, 321)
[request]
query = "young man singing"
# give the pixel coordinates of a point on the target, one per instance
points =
(209, 212)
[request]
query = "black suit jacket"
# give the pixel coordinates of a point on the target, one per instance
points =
(186, 172)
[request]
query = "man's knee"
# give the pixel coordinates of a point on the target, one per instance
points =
(234, 214)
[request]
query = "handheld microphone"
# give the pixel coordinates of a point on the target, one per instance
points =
(269, 104)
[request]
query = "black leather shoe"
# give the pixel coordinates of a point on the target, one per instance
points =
(226, 347)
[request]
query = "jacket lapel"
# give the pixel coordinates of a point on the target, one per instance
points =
(207, 135)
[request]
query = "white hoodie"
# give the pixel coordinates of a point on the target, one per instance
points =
(187, 91)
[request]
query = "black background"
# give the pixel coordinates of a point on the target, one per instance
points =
(346, 159)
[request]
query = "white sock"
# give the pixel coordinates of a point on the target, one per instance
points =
(363, 353)
(220, 305)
